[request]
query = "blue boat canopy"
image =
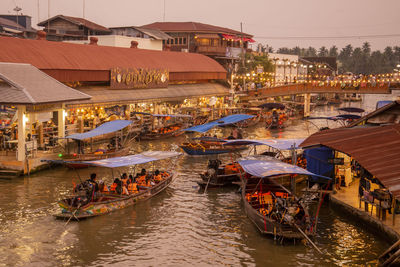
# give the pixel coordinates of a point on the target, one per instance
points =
(130, 160)
(352, 109)
(267, 167)
(172, 115)
(105, 128)
(280, 144)
(220, 122)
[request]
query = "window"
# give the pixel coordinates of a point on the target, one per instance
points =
(176, 41)
(180, 40)
(184, 40)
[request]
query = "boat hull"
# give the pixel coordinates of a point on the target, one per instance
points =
(202, 150)
(113, 203)
(87, 157)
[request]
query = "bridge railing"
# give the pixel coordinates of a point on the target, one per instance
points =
(324, 87)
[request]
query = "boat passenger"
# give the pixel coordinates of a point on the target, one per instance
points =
(92, 181)
(132, 188)
(231, 137)
(103, 187)
(142, 177)
(157, 176)
(124, 179)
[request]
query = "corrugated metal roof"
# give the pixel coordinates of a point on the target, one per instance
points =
(192, 27)
(47, 55)
(155, 33)
(25, 84)
(102, 95)
(79, 21)
(377, 149)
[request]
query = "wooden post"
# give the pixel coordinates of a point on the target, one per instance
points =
(394, 209)
(41, 139)
(21, 133)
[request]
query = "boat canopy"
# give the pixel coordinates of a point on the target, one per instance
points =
(337, 117)
(209, 139)
(280, 144)
(105, 128)
(130, 160)
(352, 109)
(220, 122)
(172, 115)
(267, 167)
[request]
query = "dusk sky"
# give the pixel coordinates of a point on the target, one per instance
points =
(271, 22)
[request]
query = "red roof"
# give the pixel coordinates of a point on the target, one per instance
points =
(375, 148)
(79, 21)
(47, 55)
(192, 27)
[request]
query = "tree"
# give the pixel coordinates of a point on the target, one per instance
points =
(283, 50)
(311, 52)
(333, 51)
(323, 52)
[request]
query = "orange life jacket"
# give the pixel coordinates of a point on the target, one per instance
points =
(105, 189)
(158, 178)
(113, 187)
(132, 188)
(124, 181)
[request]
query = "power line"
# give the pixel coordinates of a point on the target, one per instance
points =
(375, 36)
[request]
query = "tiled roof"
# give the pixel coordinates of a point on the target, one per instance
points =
(194, 27)
(47, 55)
(377, 149)
(25, 84)
(80, 21)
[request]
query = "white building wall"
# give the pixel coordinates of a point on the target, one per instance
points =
(288, 67)
(123, 41)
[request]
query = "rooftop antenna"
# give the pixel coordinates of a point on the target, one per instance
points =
(17, 9)
(83, 2)
(164, 12)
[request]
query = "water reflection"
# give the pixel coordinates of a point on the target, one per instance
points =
(179, 227)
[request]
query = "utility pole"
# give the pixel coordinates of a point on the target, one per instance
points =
(83, 8)
(242, 46)
(164, 12)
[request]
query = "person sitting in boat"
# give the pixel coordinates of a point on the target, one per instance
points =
(157, 176)
(93, 182)
(124, 179)
(103, 187)
(132, 188)
(116, 187)
(141, 178)
(231, 137)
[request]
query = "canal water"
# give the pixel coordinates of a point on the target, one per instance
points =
(179, 227)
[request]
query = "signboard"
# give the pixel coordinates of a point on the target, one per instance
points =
(336, 161)
(129, 78)
(260, 69)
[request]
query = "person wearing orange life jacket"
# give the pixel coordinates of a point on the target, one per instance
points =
(132, 188)
(157, 176)
(124, 179)
(103, 187)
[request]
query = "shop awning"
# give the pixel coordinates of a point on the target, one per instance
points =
(375, 148)
(267, 167)
(7, 29)
(280, 144)
(220, 122)
(104, 95)
(130, 160)
(105, 128)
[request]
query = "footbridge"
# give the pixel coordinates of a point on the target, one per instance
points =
(307, 89)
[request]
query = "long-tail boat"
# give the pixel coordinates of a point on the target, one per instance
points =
(170, 130)
(214, 146)
(79, 207)
(218, 175)
(117, 147)
(272, 208)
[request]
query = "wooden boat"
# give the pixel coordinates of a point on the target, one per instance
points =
(212, 146)
(220, 176)
(84, 205)
(107, 203)
(274, 210)
(164, 132)
(74, 161)
(208, 148)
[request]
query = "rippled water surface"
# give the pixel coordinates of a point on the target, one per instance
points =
(179, 227)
